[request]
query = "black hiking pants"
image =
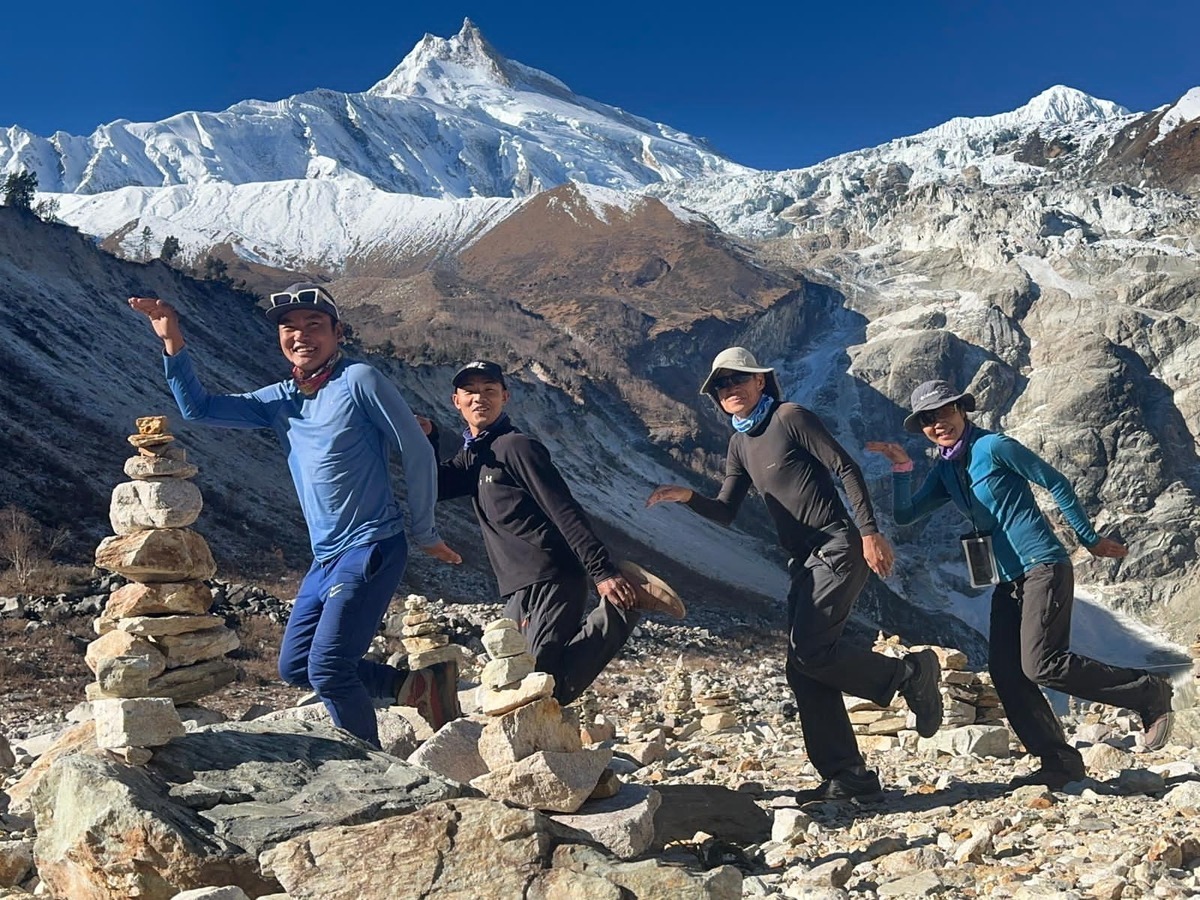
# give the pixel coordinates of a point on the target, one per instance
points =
(1028, 649)
(572, 647)
(820, 668)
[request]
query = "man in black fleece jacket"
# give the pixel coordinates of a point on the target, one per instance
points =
(538, 538)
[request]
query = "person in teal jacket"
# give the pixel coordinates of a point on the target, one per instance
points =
(987, 477)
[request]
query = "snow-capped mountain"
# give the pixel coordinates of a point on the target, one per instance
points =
(1046, 258)
(454, 120)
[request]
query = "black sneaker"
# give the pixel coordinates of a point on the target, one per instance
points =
(1054, 775)
(843, 786)
(920, 691)
(1158, 718)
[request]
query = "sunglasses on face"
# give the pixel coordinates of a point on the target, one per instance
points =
(728, 381)
(284, 298)
(933, 416)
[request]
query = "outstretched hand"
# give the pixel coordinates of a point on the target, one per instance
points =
(163, 319)
(893, 452)
(1109, 549)
(669, 493)
(442, 552)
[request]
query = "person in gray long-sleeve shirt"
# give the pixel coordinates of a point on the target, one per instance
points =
(786, 453)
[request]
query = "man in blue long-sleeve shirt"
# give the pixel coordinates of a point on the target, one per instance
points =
(336, 419)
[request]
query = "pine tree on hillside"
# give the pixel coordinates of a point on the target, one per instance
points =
(170, 249)
(19, 188)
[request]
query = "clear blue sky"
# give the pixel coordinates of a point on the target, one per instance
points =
(771, 85)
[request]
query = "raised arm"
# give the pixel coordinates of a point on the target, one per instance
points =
(721, 509)
(195, 403)
(906, 508)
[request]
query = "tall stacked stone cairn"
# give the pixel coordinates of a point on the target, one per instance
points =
(530, 744)
(158, 643)
(422, 631)
(972, 717)
(677, 704)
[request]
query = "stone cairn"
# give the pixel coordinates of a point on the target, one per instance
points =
(530, 744)
(717, 707)
(158, 643)
(968, 699)
(676, 703)
(422, 631)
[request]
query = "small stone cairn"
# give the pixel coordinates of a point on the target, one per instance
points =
(530, 744)
(422, 631)
(158, 643)
(969, 701)
(717, 707)
(678, 708)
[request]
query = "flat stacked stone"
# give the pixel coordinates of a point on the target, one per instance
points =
(158, 641)
(530, 744)
(676, 699)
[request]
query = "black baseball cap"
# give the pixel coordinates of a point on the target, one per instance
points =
(301, 295)
(479, 368)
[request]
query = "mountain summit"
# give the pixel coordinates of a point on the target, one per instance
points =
(444, 69)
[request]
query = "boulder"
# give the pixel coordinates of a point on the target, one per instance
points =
(472, 848)
(158, 555)
(158, 503)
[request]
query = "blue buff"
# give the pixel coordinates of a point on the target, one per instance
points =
(756, 416)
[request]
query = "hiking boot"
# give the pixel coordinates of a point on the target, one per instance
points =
(432, 692)
(920, 691)
(1055, 775)
(844, 785)
(653, 594)
(1158, 718)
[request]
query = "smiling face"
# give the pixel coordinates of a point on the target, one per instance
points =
(480, 402)
(739, 392)
(308, 338)
(944, 425)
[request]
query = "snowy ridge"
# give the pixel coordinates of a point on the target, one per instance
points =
(1186, 110)
(454, 120)
(1059, 105)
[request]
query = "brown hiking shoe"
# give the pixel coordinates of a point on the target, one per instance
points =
(653, 594)
(1158, 718)
(432, 692)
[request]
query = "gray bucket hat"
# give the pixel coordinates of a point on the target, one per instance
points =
(739, 359)
(934, 395)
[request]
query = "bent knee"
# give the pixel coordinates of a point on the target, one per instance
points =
(1047, 672)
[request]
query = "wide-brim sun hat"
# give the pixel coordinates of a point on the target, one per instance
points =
(739, 359)
(931, 395)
